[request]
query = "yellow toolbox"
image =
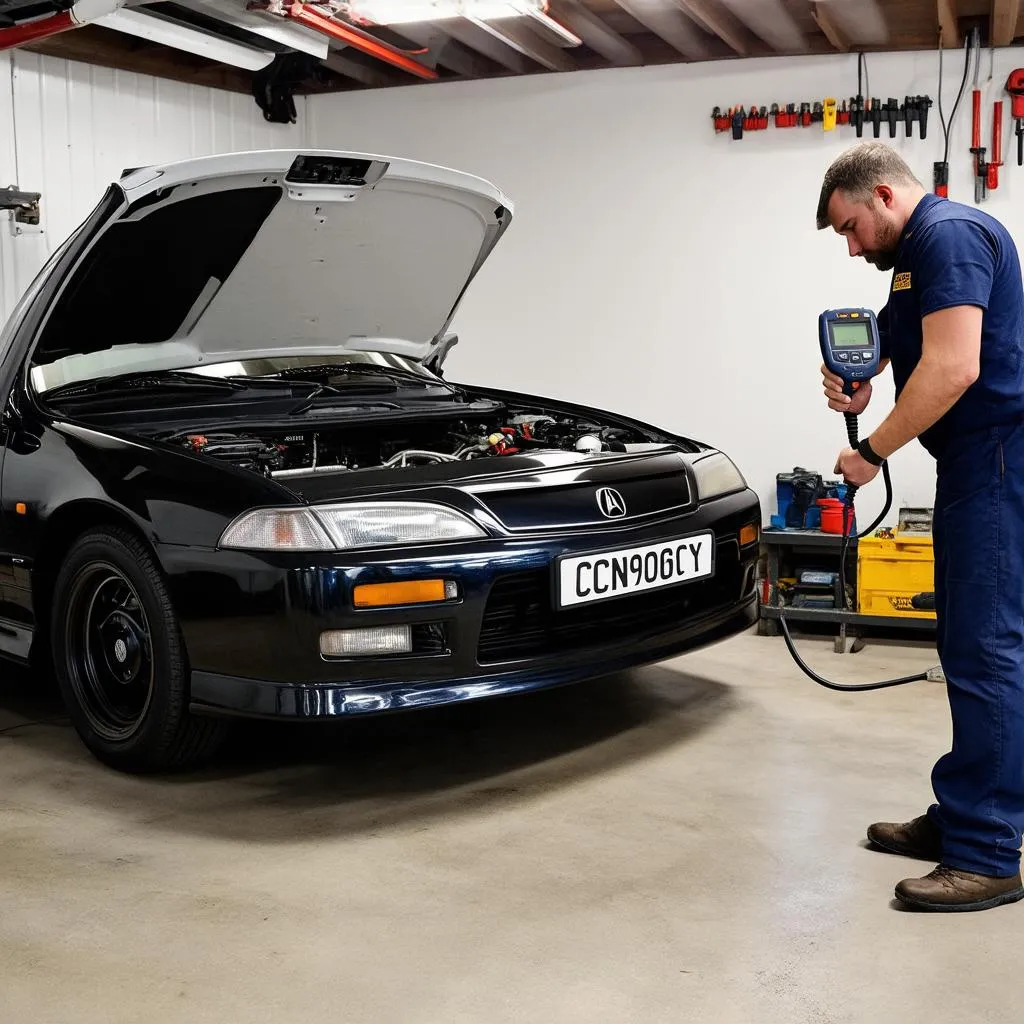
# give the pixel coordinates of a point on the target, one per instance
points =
(892, 567)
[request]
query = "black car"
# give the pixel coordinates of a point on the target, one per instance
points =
(236, 482)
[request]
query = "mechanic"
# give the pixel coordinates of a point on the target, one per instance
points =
(952, 332)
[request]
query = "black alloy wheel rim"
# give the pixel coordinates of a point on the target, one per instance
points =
(109, 651)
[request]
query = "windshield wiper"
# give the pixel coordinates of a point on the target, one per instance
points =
(177, 379)
(366, 369)
(309, 401)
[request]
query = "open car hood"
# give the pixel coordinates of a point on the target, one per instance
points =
(276, 253)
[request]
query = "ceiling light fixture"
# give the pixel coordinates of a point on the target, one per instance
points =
(295, 37)
(181, 37)
(317, 18)
(398, 12)
(401, 12)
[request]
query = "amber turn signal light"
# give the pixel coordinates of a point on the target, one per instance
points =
(383, 595)
(748, 534)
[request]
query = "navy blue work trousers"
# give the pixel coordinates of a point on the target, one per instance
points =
(978, 533)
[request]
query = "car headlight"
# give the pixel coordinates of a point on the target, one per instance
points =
(717, 475)
(334, 527)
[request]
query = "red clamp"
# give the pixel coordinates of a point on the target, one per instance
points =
(786, 118)
(756, 119)
(722, 122)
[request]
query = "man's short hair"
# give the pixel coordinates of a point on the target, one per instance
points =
(857, 171)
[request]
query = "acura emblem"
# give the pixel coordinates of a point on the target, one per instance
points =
(610, 502)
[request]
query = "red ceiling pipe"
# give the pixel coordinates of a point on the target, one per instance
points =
(41, 28)
(18, 35)
(313, 19)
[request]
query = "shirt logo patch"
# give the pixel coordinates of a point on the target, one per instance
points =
(901, 282)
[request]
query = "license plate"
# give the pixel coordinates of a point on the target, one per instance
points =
(600, 576)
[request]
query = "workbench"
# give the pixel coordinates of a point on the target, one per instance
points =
(786, 547)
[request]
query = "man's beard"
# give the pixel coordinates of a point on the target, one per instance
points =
(888, 238)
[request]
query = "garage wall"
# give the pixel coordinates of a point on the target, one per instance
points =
(658, 268)
(68, 129)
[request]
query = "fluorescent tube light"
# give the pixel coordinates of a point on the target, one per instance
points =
(182, 37)
(398, 12)
(277, 29)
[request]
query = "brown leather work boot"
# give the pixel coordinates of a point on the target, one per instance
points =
(917, 838)
(947, 890)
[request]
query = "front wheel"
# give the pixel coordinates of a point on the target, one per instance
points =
(120, 659)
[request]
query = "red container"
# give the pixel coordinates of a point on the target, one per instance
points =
(832, 516)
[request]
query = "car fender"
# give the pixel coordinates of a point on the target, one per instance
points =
(170, 496)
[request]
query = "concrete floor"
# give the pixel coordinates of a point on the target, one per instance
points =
(683, 843)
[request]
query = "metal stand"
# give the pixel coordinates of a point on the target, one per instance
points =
(783, 547)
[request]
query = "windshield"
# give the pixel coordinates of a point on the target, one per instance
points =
(45, 378)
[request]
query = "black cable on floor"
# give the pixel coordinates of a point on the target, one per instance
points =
(851, 491)
(41, 721)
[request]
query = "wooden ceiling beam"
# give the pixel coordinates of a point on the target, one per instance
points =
(595, 33)
(773, 23)
(443, 50)
(467, 33)
(948, 26)
(670, 24)
(1005, 14)
(349, 66)
(720, 21)
(830, 28)
(105, 48)
(521, 37)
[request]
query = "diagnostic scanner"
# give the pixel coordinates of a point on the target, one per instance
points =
(850, 345)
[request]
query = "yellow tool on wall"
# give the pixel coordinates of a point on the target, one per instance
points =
(829, 119)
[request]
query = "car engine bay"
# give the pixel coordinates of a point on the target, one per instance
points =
(330, 450)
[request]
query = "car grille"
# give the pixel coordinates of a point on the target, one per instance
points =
(520, 622)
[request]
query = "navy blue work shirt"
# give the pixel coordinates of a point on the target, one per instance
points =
(955, 255)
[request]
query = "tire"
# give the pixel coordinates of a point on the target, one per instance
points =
(120, 660)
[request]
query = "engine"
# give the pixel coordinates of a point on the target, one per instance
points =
(387, 447)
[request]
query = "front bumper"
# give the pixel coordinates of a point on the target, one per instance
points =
(252, 621)
(259, 698)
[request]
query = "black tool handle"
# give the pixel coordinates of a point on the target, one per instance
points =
(852, 433)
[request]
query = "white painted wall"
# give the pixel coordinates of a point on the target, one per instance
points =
(663, 270)
(68, 129)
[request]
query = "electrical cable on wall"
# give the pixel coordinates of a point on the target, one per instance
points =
(941, 170)
(866, 91)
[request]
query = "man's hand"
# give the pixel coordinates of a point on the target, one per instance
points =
(840, 402)
(854, 468)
